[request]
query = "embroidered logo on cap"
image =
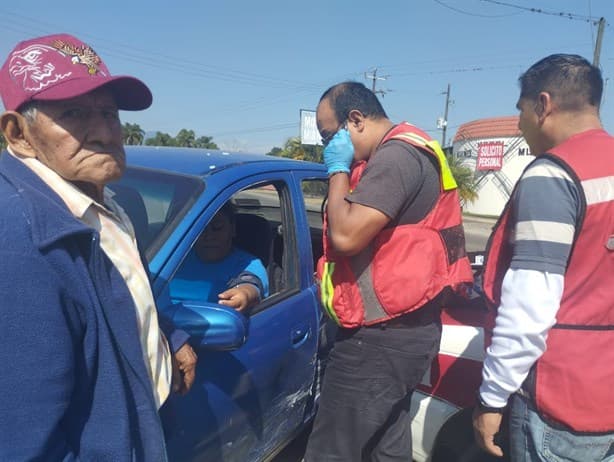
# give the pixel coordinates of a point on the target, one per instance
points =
(81, 54)
(34, 67)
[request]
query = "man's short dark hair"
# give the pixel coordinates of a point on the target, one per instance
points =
(347, 96)
(571, 81)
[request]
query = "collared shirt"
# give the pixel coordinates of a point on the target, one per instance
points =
(118, 242)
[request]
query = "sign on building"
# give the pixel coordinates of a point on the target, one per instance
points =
(309, 128)
(490, 155)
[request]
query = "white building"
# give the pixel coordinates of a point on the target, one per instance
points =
(496, 151)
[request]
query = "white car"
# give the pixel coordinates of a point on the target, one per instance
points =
(442, 406)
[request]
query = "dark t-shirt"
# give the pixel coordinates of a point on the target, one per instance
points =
(399, 181)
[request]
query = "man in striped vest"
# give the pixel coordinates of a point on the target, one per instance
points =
(549, 275)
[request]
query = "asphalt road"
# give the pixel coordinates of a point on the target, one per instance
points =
(477, 230)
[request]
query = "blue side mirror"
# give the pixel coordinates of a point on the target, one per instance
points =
(216, 327)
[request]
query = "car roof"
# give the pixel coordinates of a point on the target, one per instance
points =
(204, 162)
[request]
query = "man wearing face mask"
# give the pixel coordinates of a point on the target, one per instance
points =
(393, 246)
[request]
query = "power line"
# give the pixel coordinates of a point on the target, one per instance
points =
(572, 16)
(23, 24)
(462, 69)
(458, 10)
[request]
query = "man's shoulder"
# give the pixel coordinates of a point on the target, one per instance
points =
(400, 153)
(12, 203)
(546, 167)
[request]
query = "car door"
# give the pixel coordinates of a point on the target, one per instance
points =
(246, 403)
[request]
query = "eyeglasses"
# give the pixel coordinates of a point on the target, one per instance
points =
(326, 139)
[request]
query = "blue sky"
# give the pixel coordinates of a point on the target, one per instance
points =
(241, 70)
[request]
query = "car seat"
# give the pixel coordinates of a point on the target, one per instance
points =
(254, 235)
(131, 201)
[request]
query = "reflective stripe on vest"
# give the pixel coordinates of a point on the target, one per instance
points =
(327, 290)
(447, 179)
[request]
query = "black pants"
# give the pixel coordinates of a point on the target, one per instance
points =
(364, 408)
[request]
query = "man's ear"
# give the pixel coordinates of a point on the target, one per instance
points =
(356, 119)
(14, 128)
(543, 106)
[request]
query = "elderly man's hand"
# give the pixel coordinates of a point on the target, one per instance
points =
(184, 369)
(240, 297)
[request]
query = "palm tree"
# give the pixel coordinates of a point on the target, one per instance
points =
(185, 138)
(465, 179)
(295, 150)
(133, 134)
(160, 139)
(205, 142)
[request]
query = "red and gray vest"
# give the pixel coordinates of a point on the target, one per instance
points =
(405, 266)
(572, 382)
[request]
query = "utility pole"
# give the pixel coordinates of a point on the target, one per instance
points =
(443, 123)
(374, 78)
(597, 53)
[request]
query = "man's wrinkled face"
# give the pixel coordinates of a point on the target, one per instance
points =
(80, 138)
(216, 240)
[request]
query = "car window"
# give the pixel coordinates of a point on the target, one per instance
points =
(156, 202)
(315, 193)
(264, 233)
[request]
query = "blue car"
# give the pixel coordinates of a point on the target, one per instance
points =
(258, 374)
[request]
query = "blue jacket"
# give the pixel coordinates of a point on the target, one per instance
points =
(73, 384)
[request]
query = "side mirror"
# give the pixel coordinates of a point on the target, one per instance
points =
(216, 327)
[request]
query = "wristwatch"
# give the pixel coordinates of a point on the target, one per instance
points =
(483, 407)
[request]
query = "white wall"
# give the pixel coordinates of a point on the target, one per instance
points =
(494, 186)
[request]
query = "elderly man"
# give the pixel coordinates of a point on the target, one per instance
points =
(86, 366)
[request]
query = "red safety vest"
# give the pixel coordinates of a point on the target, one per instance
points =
(573, 379)
(404, 266)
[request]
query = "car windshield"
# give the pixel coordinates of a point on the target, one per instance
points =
(156, 202)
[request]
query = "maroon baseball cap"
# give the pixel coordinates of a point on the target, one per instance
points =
(57, 67)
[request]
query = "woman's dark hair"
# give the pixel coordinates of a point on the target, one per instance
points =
(571, 81)
(347, 96)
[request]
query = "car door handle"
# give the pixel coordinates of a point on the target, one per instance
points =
(299, 335)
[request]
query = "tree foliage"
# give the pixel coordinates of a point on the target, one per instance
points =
(205, 142)
(2, 142)
(133, 134)
(293, 149)
(465, 179)
(185, 138)
(160, 139)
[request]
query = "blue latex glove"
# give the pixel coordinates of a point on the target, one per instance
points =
(339, 154)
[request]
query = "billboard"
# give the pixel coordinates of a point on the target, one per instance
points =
(309, 128)
(490, 155)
